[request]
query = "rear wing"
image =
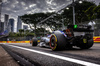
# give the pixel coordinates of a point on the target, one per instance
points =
(80, 28)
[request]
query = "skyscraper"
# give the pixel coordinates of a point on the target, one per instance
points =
(19, 24)
(0, 9)
(0, 15)
(11, 25)
(6, 22)
(1, 27)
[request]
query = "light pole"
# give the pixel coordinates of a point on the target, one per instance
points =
(73, 5)
(73, 13)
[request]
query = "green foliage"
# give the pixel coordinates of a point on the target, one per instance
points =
(20, 34)
(30, 34)
(96, 12)
(21, 30)
(55, 22)
(90, 13)
(41, 31)
(33, 19)
(11, 34)
(93, 12)
(27, 31)
(80, 15)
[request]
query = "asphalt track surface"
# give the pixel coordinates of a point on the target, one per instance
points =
(37, 56)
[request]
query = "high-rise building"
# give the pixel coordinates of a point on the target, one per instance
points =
(0, 9)
(6, 19)
(11, 25)
(0, 15)
(25, 27)
(19, 24)
(1, 27)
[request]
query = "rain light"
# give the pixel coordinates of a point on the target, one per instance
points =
(75, 26)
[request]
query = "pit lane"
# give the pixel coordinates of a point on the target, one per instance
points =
(91, 55)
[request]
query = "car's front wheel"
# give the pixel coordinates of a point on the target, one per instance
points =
(34, 42)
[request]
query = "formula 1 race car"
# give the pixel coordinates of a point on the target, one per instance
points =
(43, 42)
(75, 35)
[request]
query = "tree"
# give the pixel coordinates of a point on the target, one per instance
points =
(33, 19)
(55, 22)
(93, 12)
(80, 14)
(41, 31)
(11, 34)
(21, 31)
(27, 31)
(90, 13)
(96, 12)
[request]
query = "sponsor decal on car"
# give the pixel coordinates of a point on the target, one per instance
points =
(63, 33)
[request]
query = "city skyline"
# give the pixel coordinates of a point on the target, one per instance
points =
(7, 25)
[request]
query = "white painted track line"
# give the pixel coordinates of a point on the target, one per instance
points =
(59, 57)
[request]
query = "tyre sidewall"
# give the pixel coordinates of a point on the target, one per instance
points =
(34, 42)
(60, 43)
(87, 45)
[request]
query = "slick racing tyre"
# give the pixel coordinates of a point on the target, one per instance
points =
(57, 41)
(34, 42)
(87, 45)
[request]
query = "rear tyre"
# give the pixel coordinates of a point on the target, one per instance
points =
(57, 41)
(34, 42)
(87, 45)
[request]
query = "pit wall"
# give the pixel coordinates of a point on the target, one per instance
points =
(14, 41)
(96, 39)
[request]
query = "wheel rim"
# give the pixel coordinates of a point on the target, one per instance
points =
(53, 42)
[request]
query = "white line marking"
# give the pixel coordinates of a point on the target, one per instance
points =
(59, 57)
